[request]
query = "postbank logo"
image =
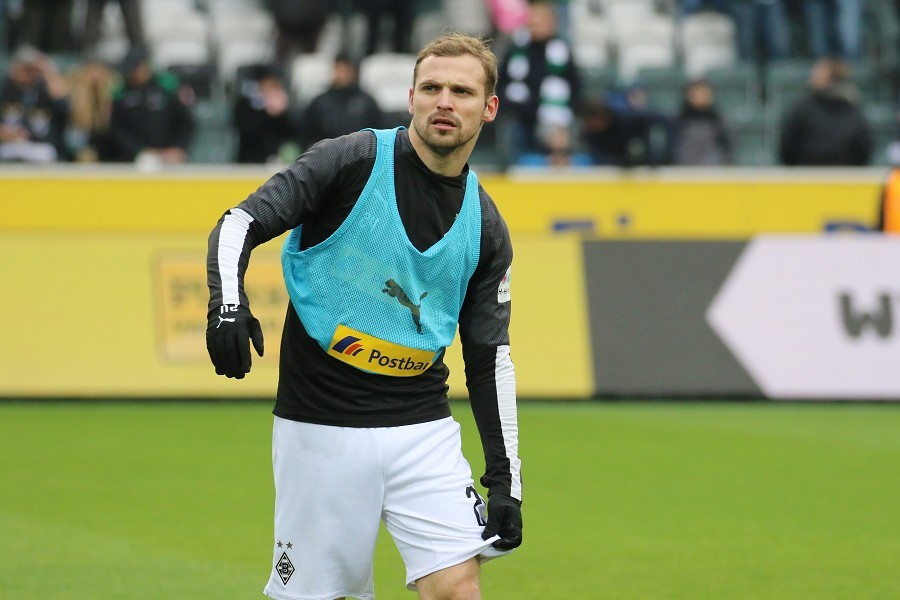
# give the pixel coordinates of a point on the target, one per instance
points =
(376, 355)
(349, 345)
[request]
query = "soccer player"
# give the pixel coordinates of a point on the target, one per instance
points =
(394, 244)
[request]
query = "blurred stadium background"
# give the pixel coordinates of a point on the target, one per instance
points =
(210, 45)
(707, 366)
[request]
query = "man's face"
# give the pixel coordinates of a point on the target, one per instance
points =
(542, 22)
(448, 103)
(140, 74)
(344, 74)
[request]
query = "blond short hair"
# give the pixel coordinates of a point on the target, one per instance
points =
(460, 44)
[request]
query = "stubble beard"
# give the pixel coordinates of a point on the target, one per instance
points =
(444, 143)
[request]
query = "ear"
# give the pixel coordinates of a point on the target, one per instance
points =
(410, 101)
(490, 109)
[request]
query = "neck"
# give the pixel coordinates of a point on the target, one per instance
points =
(450, 164)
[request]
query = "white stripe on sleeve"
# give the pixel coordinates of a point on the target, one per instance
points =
(231, 243)
(505, 378)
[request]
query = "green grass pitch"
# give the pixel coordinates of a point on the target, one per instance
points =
(626, 501)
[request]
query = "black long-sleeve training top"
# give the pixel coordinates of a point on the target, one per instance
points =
(318, 191)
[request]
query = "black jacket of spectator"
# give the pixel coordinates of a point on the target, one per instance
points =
(826, 128)
(338, 111)
(148, 116)
(35, 110)
(625, 137)
(701, 138)
(261, 131)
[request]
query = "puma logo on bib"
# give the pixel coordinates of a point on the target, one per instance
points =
(376, 355)
(393, 289)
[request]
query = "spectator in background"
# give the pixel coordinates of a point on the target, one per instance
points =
(46, 25)
(833, 28)
(299, 25)
(149, 123)
(762, 30)
(507, 15)
(611, 137)
(690, 7)
(539, 83)
(131, 18)
(827, 127)
(91, 86)
(560, 152)
(402, 14)
(341, 109)
(701, 137)
(34, 110)
(621, 130)
(261, 116)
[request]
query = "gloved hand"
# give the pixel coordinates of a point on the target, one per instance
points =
(229, 330)
(505, 519)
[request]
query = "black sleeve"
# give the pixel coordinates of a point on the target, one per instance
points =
(490, 377)
(293, 196)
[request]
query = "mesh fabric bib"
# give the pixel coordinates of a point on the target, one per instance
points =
(367, 278)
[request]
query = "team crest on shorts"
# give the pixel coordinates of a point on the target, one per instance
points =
(284, 567)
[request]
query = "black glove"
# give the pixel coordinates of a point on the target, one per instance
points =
(228, 331)
(505, 519)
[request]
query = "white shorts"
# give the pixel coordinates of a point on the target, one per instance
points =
(333, 487)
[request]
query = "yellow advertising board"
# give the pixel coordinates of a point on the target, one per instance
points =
(733, 204)
(125, 315)
(180, 281)
(104, 281)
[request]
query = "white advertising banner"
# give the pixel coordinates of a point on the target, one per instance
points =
(815, 317)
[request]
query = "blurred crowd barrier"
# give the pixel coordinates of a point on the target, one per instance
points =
(657, 283)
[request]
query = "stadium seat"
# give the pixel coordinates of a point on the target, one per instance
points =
(622, 14)
(664, 87)
(706, 41)
(591, 41)
(244, 23)
(213, 145)
(736, 87)
(201, 78)
(242, 52)
(215, 140)
(170, 52)
(428, 25)
(310, 75)
(172, 18)
(785, 82)
(870, 82)
(754, 134)
(388, 77)
(469, 16)
(112, 49)
(644, 44)
(700, 58)
(597, 81)
(883, 124)
(113, 43)
(184, 40)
